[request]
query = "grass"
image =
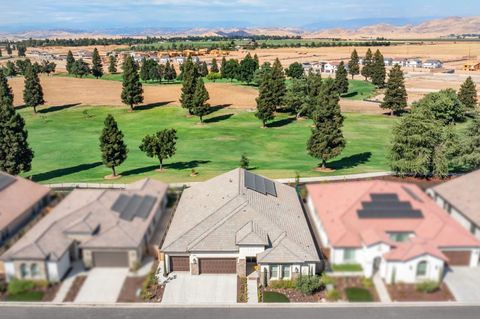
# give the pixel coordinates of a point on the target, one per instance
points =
(359, 90)
(117, 77)
(66, 144)
(355, 294)
(26, 296)
(347, 267)
(272, 296)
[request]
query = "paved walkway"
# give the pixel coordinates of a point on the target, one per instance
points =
(252, 289)
(102, 285)
(381, 288)
(464, 283)
(77, 269)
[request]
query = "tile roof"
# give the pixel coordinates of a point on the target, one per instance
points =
(217, 215)
(337, 206)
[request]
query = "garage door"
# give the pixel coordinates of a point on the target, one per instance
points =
(180, 263)
(110, 259)
(218, 266)
(458, 258)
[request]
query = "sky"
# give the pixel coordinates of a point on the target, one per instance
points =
(88, 15)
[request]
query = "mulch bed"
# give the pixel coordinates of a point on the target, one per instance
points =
(50, 292)
(342, 283)
(74, 289)
(130, 288)
(408, 292)
(296, 296)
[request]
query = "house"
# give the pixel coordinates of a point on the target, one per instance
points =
(393, 229)
(164, 59)
(472, 66)
(433, 64)
(101, 228)
(414, 63)
(399, 61)
(20, 200)
(180, 60)
(459, 197)
(238, 222)
(388, 61)
(331, 67)
(307, 67)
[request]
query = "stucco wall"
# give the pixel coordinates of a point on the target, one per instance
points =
(56, 270)
(406, 271)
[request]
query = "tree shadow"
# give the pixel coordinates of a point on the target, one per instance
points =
(176, 165)
(281, 122)
(216, 108)
(351, 161)
(57, 108)
(218, 118)
(150, 106)
(64, 171)
(350, 94)
(21, 107)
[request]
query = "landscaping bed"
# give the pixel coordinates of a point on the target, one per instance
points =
(355, 289)
(242, 290)
(74, 289)
(278, 290)
(152, 291)
(27, 290)
(129, 289)
(409, 292)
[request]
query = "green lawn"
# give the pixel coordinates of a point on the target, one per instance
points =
(66, 144)
(347, 267)
(355, 294)
(26, 296)
(359, 90)
(271, 296)
(117, 77)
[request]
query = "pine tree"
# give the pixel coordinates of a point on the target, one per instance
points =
(378, 70)
(9, 49)
(244, 161)
(367, 65)
(260, 73)
(97, 66)
(314, 87)
(132, 91)
(327, 141)
(230, 71)
(296, 98)
(203, 69)
(444, 106)
(70, 62)
(113, 148)
(21, 49)
(170, 73)
(468, 94)
(214, 67)
(11, 70)
(222, 67)
(32, 92)
(341, 79)
(1, 54)
(15, 154)
(246, 69)
(257, 61)
(266, 101)
(144, 70)
(279, 87)
(80, 68)
(6, 94)
(161, 145)
(395, 98)
(471, 151)
(200, 97)
(354, 64)
(189, 84)
(112, 64)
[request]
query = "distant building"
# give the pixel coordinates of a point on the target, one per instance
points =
(399, 61)
(433, 64)
(388, 61)
(164, 59)
(331, 67)
(414, 63)
(472, 67)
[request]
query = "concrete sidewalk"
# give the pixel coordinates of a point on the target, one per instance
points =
(252, 290)
(381, 289)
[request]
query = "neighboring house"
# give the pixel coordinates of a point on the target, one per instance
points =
(164, 59)
(388, 61)
(307, 67)
(433, 64)
(414, 63)
(399, 61)
(103, 228)
(472, 67)
(180, 60)
(391, 228)
(20, 200)
(460, 197)
(331, 67)
(238, 222)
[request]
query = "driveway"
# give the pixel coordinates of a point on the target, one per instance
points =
(211, 289)
(102, 285)
(464, 283)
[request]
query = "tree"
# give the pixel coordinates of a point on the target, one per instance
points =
(9, 49)
(113, 148)
(395, 98)
(378, 72)
(341, 79)
(354, 64)
(471, 151)
(203, 69)
(468, 94)
(214, 67)
(230, 71)
(1, 54)
(170, 73)
(161, 145)
(295, 70)
(112, 64)
(70, 62)
(444, 106)
(260, 73)
(144, 70)
(266, 101)
(296, 98)
(48, 67)
(367, 65)
(327, 141)
(222, 67)
(214, 76)
(279, 87)
(244, 161)
(246, 69)
(15, 154)
(132, 91)
(97, 66)
(11, 70)
(200, 106)
(21, 49)
(314, 87)
(80, 68)
(32, 92)
(189, 84)
(6, 94)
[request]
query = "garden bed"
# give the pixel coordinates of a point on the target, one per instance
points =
(130, 288)
(74, 289)
(242, 290)
(409, 292)
(152, 291)
(27, 290)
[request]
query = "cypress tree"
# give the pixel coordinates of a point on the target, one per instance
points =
(132, 91)
(112, 64)
(327, 141)
(279, 87)
(97, 66)
(354, 64)
(161, 145)
(395, 98)
(15, 154)
(144, 70)
(32, 92)
(113, 148)
(222, 67)
(200, 97)
(266, 101)
(468, 94)
(378, 70)
(70, 62)
(367, 65)
(6, 94)
(214, 67)
(189, 84)
(341, 79)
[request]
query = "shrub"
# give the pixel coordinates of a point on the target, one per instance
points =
(18, 286)
(333, 295)
(428, 286)
(282, 284)
(327, 280)
(308, 284)
(367, 283)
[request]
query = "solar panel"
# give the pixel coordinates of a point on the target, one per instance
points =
(385, 206)
(121, 203)
(6, 180)
(249, 180)
(384, 197)
(259, 184)
(389, 213)
(133, 206)
(270, 188)
(145, 206)
(131, 209)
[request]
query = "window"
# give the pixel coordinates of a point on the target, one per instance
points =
(285, 271)
(274, 273)
(34, 270)
(400, 237)
(422, 269)
(23, 270)
(348, 255)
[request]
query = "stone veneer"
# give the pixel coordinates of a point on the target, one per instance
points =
(241, 267)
